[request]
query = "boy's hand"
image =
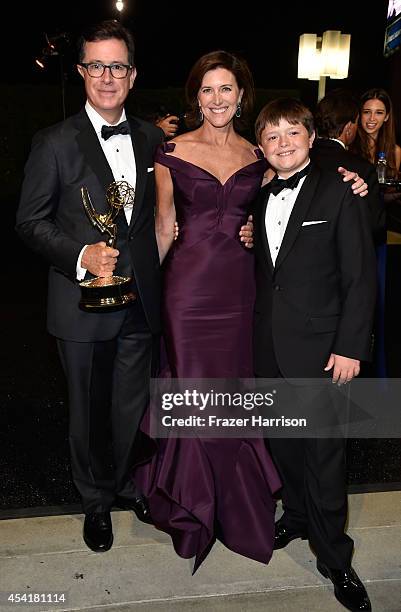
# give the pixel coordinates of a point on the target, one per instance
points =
(359, 187)
(344, 368)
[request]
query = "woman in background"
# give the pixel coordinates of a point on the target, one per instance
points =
(376, 130)
(376, 134)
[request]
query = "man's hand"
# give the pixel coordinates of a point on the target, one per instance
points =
(344, 368)
(246, 233)
(99, 259)
(169, 125)
(359, 187)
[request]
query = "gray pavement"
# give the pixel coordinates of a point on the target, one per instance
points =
(141, 572)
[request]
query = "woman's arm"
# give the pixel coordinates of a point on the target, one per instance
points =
(397, 157)
(165, 210)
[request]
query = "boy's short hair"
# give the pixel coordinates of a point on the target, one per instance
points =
(290, 109)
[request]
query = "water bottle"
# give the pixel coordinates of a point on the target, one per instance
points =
(381, 167)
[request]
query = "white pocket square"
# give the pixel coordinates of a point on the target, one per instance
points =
(312, 222)
(150, 169)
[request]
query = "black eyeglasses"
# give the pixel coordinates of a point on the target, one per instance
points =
(96, 70)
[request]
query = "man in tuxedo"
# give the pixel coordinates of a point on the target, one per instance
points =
(336, 122)
(315, 271)
(106, 355)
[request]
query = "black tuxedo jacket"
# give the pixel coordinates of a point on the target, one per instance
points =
(319, 297)
(52, 221)
(329, 154)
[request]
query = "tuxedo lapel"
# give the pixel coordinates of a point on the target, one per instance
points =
(139, 146)
(298, 214)
(92, 152)
(264, 198)
(94, 157)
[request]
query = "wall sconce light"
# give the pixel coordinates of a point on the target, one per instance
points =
(55, 46)
(323, 56)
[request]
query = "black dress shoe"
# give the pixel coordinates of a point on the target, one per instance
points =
(348, 588)
(138, 504)
(284, 536)
(98, 533)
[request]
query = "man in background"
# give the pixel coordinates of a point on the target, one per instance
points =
(336, 121)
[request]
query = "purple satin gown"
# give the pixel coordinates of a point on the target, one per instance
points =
(203, 489)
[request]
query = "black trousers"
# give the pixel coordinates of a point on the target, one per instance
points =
(313, 474)
(314, 494)
(108, 388)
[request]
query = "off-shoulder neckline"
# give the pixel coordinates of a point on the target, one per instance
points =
(168, 147)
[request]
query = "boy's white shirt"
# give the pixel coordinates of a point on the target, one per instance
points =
(278, 212)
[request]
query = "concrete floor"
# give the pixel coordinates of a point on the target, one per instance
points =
(142, 572)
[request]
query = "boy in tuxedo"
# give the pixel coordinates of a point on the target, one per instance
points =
(315, 271)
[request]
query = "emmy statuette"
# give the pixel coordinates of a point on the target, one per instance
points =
(112, 292)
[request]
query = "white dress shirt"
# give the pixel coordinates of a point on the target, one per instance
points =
(120, 156)
(278, 212)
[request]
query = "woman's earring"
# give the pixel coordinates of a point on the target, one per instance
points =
(200, 115)
(239, 110)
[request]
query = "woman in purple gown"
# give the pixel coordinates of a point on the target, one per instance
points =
(202, 489)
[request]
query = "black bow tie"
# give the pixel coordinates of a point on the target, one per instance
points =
(111, 130)
(277, 184)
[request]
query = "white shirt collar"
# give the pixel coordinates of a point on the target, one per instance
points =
(339, 141)
(97, 120)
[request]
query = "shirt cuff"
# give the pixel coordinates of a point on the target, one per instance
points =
(81, 271)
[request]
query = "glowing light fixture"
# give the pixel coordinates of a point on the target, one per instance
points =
(56, 46)
(119, 5)
(323, 56)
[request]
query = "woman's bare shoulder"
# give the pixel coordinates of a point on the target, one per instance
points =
(184, 143)
(186, 138)
(247, 145)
